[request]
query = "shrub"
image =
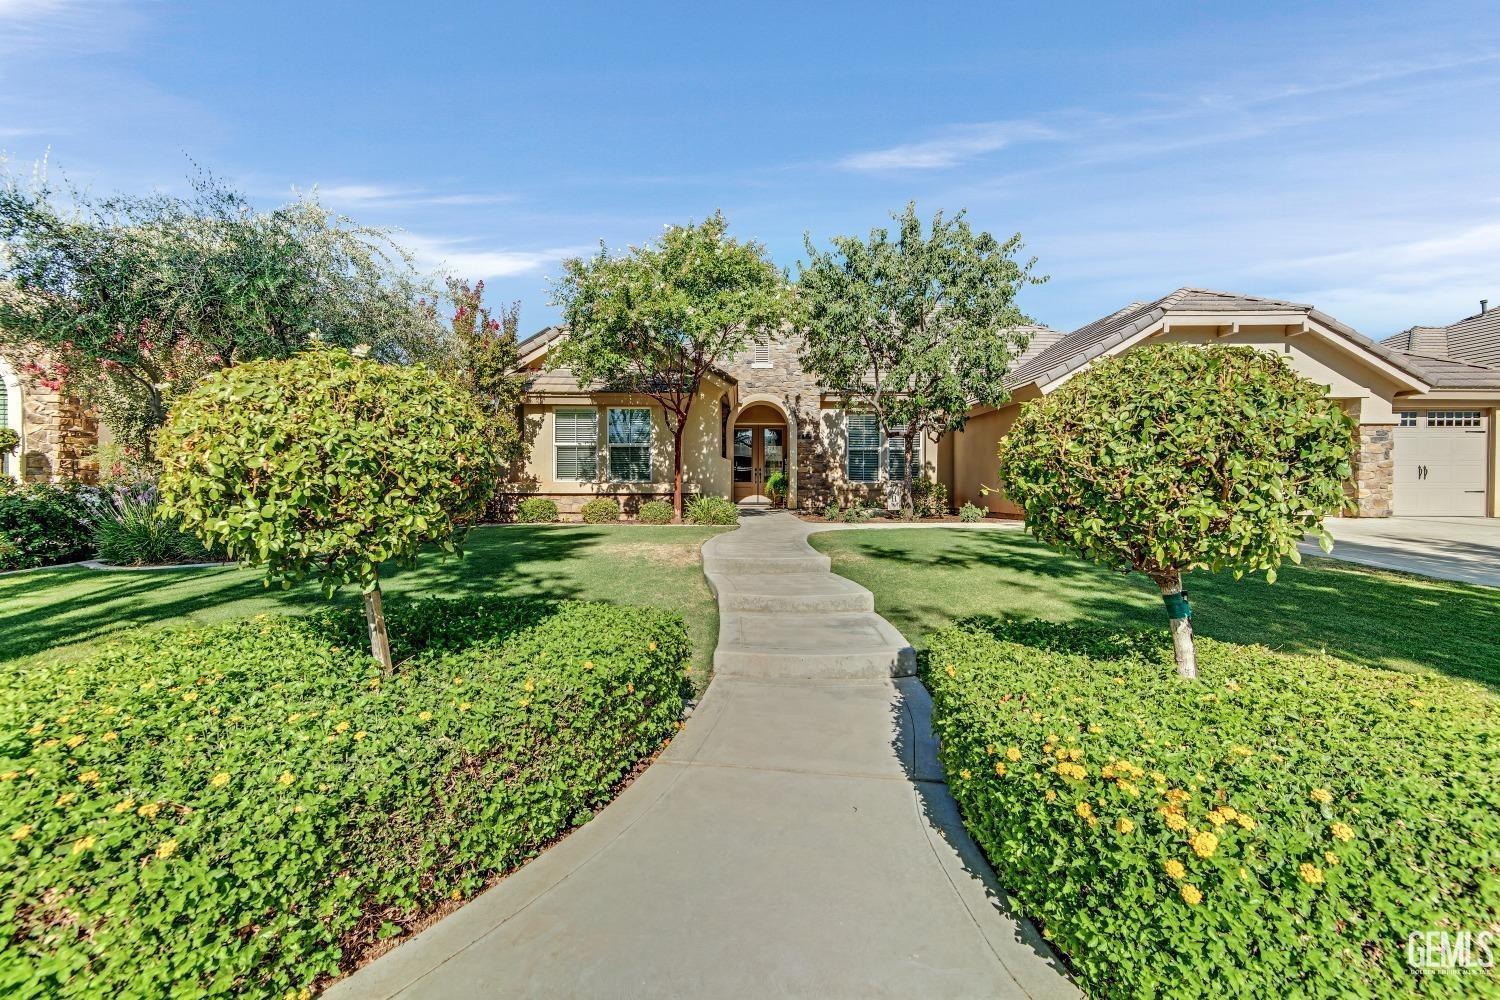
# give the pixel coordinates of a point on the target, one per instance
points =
(712, 510)
(858, 514)
(327, 464)
(129, 530)
(46, 524)
(1278, 829)
(1172, 458)
(831, 511)
(600, 510)
(970, 513)
(929, 497)
(10, 441)
(655, 512)
(240, 810)
(536, 510)
(777, 485)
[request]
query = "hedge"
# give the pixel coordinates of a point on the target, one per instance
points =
(1279, 827)
(244, 809)
(44, 524)
(655, 512)
(536, 510)
(600, 510)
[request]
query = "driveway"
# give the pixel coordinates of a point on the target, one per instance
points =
(1466, 549)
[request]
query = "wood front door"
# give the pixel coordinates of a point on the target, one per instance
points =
(758, 452)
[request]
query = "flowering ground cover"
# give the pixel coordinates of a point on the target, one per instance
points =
(243, 809)
(1280, 827)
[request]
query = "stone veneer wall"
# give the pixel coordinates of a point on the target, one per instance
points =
(1374, 471)
(61, 435)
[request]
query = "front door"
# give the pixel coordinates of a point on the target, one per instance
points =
(758, 452)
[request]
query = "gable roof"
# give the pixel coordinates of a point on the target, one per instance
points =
(561, 381)
(1099, 338)
(1447, 373)
(1473, 339)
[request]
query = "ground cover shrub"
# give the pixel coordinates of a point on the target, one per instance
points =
(929, 497)
(536, 510)
(858, 514)
(238, 810)
(970, 513)
(45, 524)
(712, 510)
(831, 511)
(655, 512)
(1279, 828)
(130, 531)
(600, 510)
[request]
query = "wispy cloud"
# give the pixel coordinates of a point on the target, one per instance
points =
(467, 258)
(393, 196)
(952, 146)
(34, 26)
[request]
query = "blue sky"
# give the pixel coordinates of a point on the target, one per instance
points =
(1342, 154)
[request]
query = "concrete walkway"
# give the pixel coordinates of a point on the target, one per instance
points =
(1464, 549)
(796, 839)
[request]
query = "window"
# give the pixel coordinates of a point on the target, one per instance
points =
(723, 426)
(1408, 417)
(760, 356)
(863, 435)
(575, 435)
(630, 445)
(1453, 418)
(895, 445)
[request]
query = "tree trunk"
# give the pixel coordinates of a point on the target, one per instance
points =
(907, 504)
(677, 468)
(380, 642)
(1180, 617)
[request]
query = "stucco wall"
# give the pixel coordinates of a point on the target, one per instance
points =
(975, 463)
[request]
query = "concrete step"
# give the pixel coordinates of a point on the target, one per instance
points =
(722, 565)
(806, 593)
(840, 646)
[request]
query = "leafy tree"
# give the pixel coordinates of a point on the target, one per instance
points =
(134, 299)
(326, 464)
(660, 317)
(918, 328)
(1172, 458)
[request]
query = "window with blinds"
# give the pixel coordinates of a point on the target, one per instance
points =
(575, 435)
(862, 432)
(630, 445)
(895, 447)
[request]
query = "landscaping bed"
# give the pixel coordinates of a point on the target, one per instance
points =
(248, 808)
(1279, 827)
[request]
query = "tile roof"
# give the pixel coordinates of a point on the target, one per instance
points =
(560, 381)
(1448, 373)
(1475, 338)
(1095, 339)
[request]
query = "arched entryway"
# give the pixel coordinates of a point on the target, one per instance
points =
(760, 446)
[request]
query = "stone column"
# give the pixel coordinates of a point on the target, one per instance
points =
(1374, 470)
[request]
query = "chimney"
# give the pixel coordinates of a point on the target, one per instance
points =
(1484, 306)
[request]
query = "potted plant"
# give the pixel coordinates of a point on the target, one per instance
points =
(776, 487)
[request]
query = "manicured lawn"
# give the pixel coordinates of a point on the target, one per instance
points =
(66, 610)
(926, 578)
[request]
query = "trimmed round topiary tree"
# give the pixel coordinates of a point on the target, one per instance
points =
(1173, 458)
(327, 465)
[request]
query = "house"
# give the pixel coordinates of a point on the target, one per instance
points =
(1427, 437)
(58, 434)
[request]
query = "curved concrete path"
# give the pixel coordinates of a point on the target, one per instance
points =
(796, 839)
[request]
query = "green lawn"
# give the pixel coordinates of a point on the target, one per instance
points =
(926, 578)
(65, 610)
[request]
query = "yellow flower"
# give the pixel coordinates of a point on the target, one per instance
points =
(524, 702)
(458, 680)
(89, 777)
(1177, 796)
(149, 810)
(22, 832)
(424, 716)
(1176, 823)
(83, 844)
(1217, 817)
(110, 736)
(1175, 870)
(286, 778)
(1190, 894)
(1130, 789)
(588, 664)
(37, 729)
(1036, 717)
(1245, 820)
(190, 696)
(1311, 874)
(1204, 844)
(1124, 825)
(66, 798)
(1331, 858)
(1051, 795)
(219, 780)
(1342, 831)
(10, 776)
(529, 686)
(1321, 795)
(630, 687)
(463, 706)
(1000, 768)
(1096, 730)
(341, 726)
(950, 671)
(1013, 753)
(74, 740)
(359, 735)
(964, 774)
(166, 849)
(1084, 809)
(125, 806)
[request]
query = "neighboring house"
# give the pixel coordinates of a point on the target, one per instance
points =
(58, 434)
(1427, 438)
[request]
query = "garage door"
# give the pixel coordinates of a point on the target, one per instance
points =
(1440, 463)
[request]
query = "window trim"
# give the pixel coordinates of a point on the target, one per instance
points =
(1406, 418)
(849, 449)
(648, 444)
(760, 355)
(1455, 418)
(556, 444)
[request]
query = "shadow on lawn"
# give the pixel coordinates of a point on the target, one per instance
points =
(1368, 617)
(66, 606)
